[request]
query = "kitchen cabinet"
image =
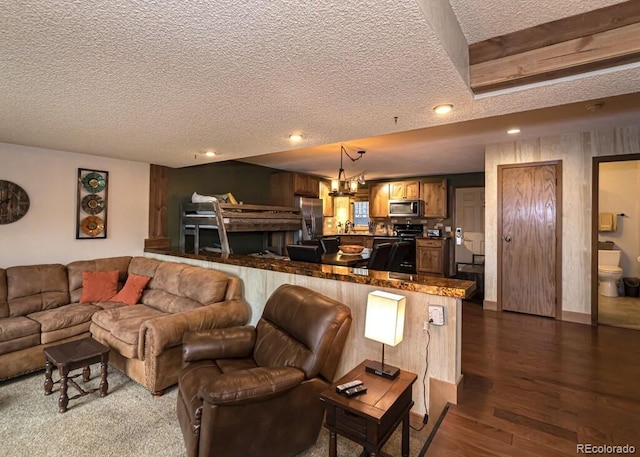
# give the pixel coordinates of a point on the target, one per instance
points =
(327, 200)
(285, 186)
(306, 185)
(434, 195)
(379, 200)
(432, 256)
(401, 190)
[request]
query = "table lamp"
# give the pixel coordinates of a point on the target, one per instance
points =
(384, 322)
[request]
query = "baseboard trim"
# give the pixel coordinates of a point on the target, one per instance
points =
(579, 318)
(442, 393)
(490, 305)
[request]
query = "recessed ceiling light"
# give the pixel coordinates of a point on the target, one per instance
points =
(210, 153)
(295, 136)
(513, 131)
(443, 109)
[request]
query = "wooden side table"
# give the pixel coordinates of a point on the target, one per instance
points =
(71, 356)
(370, 418)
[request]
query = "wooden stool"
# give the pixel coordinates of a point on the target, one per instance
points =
(71, 356)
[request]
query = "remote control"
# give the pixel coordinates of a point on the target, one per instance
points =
(347, 385)
(357, 390)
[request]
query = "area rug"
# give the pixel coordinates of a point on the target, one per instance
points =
(127, 422)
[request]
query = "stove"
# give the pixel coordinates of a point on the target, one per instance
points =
(408, 232)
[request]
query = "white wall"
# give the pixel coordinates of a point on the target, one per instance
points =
(576, 150)
(619, 192)
(46, 234)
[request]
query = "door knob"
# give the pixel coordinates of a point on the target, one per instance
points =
(507, 238)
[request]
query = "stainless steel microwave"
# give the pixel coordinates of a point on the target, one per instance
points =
(405, 208)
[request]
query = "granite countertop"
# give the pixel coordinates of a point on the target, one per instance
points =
(326, 235)
(433, 285)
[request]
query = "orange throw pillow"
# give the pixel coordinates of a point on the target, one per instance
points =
(132, 290)
(98, 286)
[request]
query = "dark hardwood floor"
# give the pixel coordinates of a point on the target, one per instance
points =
(534, 386)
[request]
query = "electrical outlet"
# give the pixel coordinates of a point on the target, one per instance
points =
(436, 314)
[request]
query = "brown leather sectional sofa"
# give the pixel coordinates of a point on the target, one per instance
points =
(39, 307)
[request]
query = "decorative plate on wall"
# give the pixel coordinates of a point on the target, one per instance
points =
(92, 199)
(92, 226)
(94, 182)
(93, 204)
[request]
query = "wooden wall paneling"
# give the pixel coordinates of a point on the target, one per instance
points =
(602, 50)
(595, 40)
(569, 28)
(158, 194)
(576, 151)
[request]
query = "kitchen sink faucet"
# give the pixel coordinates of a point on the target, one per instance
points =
(348, 226)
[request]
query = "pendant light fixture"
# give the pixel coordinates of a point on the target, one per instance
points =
(343, 186)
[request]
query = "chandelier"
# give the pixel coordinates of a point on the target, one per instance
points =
(343, 186)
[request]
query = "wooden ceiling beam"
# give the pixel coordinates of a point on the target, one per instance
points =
(595, 40)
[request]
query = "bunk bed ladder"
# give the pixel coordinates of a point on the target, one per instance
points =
(222, 230)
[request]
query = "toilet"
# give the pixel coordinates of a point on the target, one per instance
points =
(609, 273)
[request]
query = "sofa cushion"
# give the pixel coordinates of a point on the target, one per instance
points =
(99, 286)
(4, 306)
(18, 333)
(144, 266)
(16, 327)
(132, 290)
(109, 304)
(36, 288)
(124, 323)
(24, 342)
(64, 316)
(75, 269)
(178, 287)
(167, 302)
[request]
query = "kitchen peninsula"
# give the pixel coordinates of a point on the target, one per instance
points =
(439, 345)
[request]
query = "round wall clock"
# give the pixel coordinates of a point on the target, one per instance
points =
(14, 202)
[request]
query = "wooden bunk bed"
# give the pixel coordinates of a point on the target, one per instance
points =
(230, 218)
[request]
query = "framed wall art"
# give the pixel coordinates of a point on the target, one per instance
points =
(93, 188)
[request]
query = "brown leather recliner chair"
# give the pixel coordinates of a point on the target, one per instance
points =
(249, 391)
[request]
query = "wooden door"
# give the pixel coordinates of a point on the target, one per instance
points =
(529, 209)
(470, 218)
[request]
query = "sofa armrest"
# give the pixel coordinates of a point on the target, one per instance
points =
(248, 386)
(218, 343)
(167, 331)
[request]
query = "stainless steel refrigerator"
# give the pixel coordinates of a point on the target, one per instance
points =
(311, 216)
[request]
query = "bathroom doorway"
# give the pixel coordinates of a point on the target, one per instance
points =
(616, 226)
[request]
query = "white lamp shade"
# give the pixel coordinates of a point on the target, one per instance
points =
(384, 321)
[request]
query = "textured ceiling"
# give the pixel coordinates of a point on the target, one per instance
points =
(163, 81)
